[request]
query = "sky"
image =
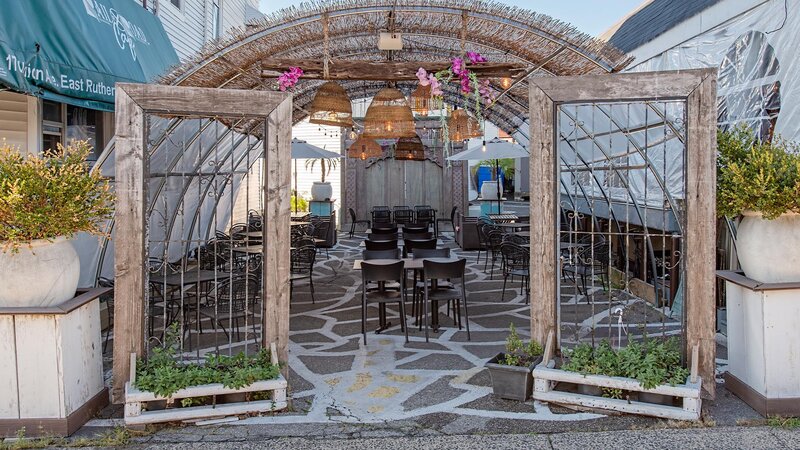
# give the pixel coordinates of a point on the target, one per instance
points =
(590, 16)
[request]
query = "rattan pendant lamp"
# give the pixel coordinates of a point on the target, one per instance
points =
(409, 149)
(461, 126)
(421, 100)
(364, 148)
(331, 106)
(389, 116)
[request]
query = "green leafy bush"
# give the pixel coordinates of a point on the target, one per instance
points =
(299, 204)
(517, 352)
(652, 363)
(164, 376)
(43, 197)
(757, 176)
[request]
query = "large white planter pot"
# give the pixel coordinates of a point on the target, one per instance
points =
(40, 274)
(768, 249)
(321, 191)
(489, 190)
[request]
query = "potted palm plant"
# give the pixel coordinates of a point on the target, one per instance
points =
(44, 201)
(759, 182)
(322, 190)
(511, 371)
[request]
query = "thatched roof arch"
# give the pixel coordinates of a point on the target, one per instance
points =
(432, 30)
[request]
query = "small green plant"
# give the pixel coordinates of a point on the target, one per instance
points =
(52, 195)
(299, 204)
(784, 422)
(327, 165)
(164, 376)
(517, 352)
(755, 175)
(652, 363)
(117, 437)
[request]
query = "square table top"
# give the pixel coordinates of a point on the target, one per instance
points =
(188, 277)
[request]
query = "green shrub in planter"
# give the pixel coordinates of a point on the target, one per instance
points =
(652, 363)
(50, 195)
(511, 371)
(756, 176)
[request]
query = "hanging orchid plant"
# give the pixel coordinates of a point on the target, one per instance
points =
(287, 80)
(471, 86)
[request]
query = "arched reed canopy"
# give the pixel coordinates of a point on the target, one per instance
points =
(433, 31)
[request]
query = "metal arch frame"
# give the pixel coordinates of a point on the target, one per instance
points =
(318, 17)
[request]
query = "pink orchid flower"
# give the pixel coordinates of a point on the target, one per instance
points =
(422, 74)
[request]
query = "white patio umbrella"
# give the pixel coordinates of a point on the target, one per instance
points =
(303, 150)
(495, 149)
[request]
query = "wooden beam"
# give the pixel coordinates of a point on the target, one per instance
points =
(544, 189)
(130, 218)
(380, 70)
(188, 101)
(700, 240)
(277, 189)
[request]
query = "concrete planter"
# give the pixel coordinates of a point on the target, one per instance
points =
(767, 249)
(489, 190)
(321, 191)
(511, 382)
(41, 274)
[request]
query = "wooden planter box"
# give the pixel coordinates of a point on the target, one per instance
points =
(137, 401)
(545, 378)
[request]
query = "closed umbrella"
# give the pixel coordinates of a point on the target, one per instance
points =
(303, 150)
(495, 149)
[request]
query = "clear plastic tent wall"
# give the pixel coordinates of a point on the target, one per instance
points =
(759, 68)
(196, 169)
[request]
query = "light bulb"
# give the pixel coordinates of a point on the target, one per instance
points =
(483, 149)
(505, 82)
(363, 156)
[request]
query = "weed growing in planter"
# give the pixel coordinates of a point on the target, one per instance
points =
(163, 375)
(652, 363)
(517, 352)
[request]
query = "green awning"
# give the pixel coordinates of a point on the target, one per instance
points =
(74, 51)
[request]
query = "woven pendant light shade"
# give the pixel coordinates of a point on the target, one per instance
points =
(462, 127)
(364, 148)
(409, 149)
(421, 100)
(331, 106)
(389, 116)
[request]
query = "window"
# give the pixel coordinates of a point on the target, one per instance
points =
(176, 3)
(216, 18)
(62, 123)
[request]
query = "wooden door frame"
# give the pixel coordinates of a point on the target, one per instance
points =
(133, 103)
(698, 89)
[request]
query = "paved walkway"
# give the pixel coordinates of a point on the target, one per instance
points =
(375, 439)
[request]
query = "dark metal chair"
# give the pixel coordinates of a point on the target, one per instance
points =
(108, 299)
(380, 254)
(382, 274)
(302, 267)
(516, 263)
(321, 231)
(354, 221)
(433, 294)
(418, 286)
(451, 221)
(589, 262)
(403, 215)
(234, 299)
(380, 245)
(418, 236)
(381, 215)
(426, 215)
(410, 244)
(384, 229)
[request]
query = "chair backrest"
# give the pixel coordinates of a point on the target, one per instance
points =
(382, 237)
(352, 214)
(410, 244)
(381, 215)
(381, 254)
(380, 245)
(303, 241)
(382, 272)
(424, 213)
(415, 228)
(420, 253)
(418, 236)
(302, 259)
(321, 227)
(514, 256)
(403, 214)
(516, 239)
(236, 294)
(444, 269)
(453, 214)
(384, 230)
